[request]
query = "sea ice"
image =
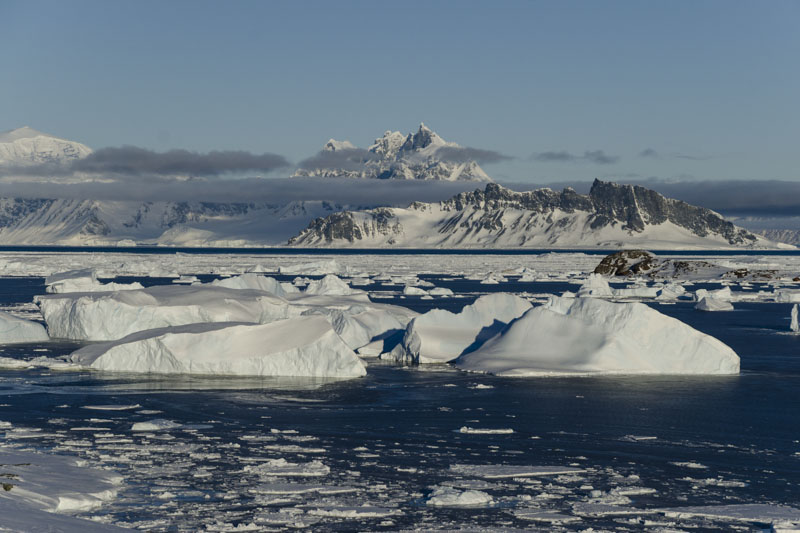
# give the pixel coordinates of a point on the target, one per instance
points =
(510, 471)
(18, 330)
(283, 468)
(303, 346)
(451, 497)
(589, 335)
(440, 336)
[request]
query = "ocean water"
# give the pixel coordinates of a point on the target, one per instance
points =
(641, 444)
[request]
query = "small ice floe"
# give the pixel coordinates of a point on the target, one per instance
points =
(300, 488)
(794, 325)
(745, 512)
(594, 509)
(186, 280)
(546, 516)
(414, 291)
(440, 291)
(112, 407)
(510, 471)
(689, 464)
(346, 511)
(451, 497)
(485, 431)
(157, 424)
(283, 468)
(715, 482)
(481, 386)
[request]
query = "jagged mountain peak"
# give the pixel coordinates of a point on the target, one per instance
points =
(611, 215)
(336, 146)
(396, 156)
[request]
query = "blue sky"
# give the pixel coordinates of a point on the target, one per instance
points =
(711, 87)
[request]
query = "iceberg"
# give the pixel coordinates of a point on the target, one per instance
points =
(440, 336)
(595, 286)
(330, 285)
(256, 282)
(794, 325)
(301, 346)
(18, 330)
(112, 316)
(83, 280)
(592, 336)
(709, 303)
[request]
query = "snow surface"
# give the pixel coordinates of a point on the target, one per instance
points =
(302, 346)
(589, 336)
(36, 486)
(440, 336)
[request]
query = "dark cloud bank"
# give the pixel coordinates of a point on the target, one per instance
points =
(598, 157)
(137, 174)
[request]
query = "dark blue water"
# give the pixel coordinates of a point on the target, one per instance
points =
(392, 436)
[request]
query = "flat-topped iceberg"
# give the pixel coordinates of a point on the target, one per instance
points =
(440, 336)
(302, 346)
(594, 336)
(111, 316)
(83, 280)
(18, 330)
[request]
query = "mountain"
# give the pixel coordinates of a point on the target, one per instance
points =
(609, 216)
(25, 146)
(423, 155)
(109, 223)
(789, 236)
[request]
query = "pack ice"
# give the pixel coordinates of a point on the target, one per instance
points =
(302, 346)
(590, 335)
(440, 336)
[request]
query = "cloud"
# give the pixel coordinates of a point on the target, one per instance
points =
(134, 161)
(351, 159)
(598, 157)
(654, 154)
(459, 154)
(270, 191)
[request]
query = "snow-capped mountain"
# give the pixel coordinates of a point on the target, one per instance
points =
(109, 223)
(423, 155)
(609, 216)
(26, 146)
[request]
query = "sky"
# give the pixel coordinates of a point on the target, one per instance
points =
(677, 91)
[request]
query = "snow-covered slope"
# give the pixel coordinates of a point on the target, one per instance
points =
(423, 155)
(25, 145)
(610, 215)
(99, 222)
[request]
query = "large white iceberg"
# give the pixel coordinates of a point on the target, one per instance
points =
(18, 330)
(588, 335)
(440, 336)
(302, 346)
